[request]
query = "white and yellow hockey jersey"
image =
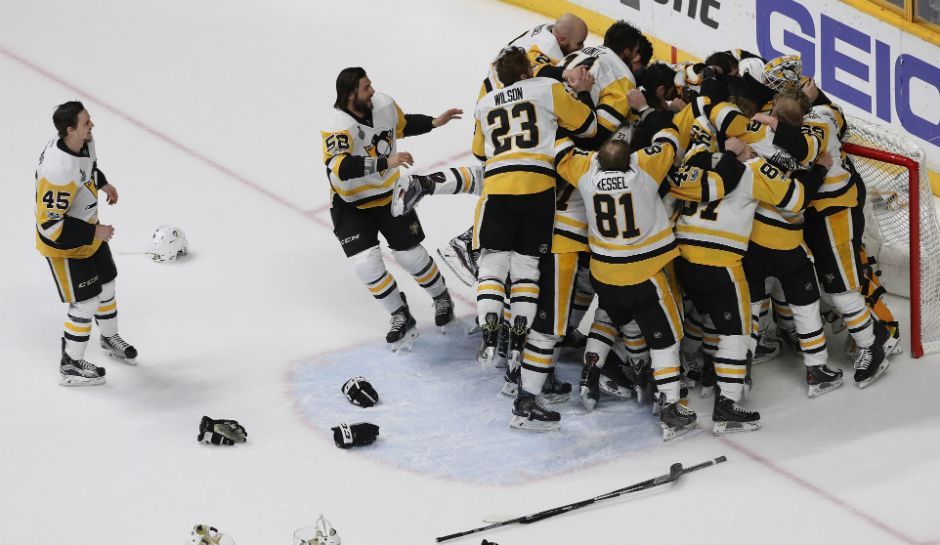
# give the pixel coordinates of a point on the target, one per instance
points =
(718, 233)
(629, 231)
(66, 202)
(612, 81)
(344, 136)
(540, 46)
(515, 134)
(827, 123)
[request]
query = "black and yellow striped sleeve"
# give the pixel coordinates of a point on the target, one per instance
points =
(702, 179)
(571, 163)
(656, 160)
(802, 143)
(573, 114)
(344, 165)
(774, 187)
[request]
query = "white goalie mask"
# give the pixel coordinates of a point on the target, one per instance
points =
(322, 533)
(203, 534)
(167, 244)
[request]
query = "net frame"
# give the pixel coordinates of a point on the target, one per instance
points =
(873, 142)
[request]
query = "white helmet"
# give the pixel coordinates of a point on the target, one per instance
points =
(167, 244)
(322, 533)
(203, 534)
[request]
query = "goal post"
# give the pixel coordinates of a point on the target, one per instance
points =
(901, 227)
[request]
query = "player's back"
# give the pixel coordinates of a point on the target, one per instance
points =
(516, 130)
(612, 81)
(541, 48)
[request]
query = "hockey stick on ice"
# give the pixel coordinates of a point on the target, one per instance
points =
(675, 471)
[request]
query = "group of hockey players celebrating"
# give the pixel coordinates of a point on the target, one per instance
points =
(689, 199)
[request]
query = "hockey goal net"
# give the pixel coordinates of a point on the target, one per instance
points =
(901, 227)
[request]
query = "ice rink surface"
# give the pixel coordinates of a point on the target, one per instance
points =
(207, 118)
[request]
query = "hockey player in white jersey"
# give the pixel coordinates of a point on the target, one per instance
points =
(75, 243)
(359, 142)
(631, 242)
(544, 46)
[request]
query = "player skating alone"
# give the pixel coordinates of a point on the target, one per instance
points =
(70, 237)
(360, 151)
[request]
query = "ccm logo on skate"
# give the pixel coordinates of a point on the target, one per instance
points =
(840, 47)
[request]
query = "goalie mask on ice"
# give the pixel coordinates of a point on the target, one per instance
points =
(167, 244)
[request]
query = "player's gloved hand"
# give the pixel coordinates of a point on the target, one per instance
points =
(221, 432)
(360, 392)
(354, 435)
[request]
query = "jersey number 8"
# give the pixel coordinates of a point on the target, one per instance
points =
(528, 136)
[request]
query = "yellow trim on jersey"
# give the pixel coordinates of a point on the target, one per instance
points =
(520, 155)
(629, 274)
(400, 125)
(712, 232)
(572, 113)
(572, 222)
(702, 255)
(517, 182)
(562, 243)
(669, 302)
(630, 247)
(566, 267)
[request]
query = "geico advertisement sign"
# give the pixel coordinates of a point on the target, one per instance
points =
(860, 61)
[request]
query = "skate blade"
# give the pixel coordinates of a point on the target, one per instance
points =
(671, 433)
(816, 390)
(555, 399)
(509, 389)
(120, 358)
(474, 330)
(881, 370)
(406, 343)
(764, 358)
(456, 266)
(725, 428)
(523, 423)
(706, 391)
(614, 390)
(448, 328)
(587, 401)
(80, 381)
(487, 358)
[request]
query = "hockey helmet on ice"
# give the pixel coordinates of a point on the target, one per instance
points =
(167, 244)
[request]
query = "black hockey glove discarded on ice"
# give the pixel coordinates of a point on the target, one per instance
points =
(221, 432)
(354, 435)
(359, 392)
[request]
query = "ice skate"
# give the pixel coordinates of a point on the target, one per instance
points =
(444, 311)
(407, 191)
(573, 339)
(529, 414)
(614, 382)
(486, 355)
(871, 363)
(768, 348)
(117, 348)
(590, 389)
(821, 379)
(730, 418)
(402, 334)
(791, 338)
(517, 335)
(502, 346)
(675, 418)
(691, 369)
(709, 378)
(79, 372)
(511, 380)
(555, 391)
(461, 258)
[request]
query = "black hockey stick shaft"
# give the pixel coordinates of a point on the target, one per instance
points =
(675, 471)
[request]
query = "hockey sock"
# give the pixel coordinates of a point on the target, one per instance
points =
(602, 336)
(538, 359)
(809, 328)
(635, 342)
(692, 325)
(422, 268)
(782, 313)
(78, 327)
(524, 289)
(731, 364)
(874, 292)
(106, 314)
(371, 270)
(491, 287)
(858, 319)
(756, 308)
(665, 363)
(583, 297)
(710, 337)
(451, 181)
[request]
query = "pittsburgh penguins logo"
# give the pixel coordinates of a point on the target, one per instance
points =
(381, 145)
